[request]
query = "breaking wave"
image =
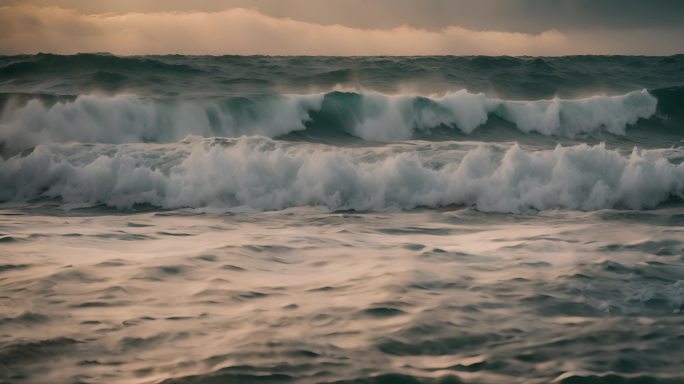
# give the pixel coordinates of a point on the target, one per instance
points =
(258, 173)
(28, 120)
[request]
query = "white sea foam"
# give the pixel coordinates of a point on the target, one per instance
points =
(262, 174)
(131, 119)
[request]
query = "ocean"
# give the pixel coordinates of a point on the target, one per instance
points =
(204, 219)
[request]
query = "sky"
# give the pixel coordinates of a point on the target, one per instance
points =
(343, 27)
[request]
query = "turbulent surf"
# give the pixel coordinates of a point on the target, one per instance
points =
(58, 108)
(341, 219)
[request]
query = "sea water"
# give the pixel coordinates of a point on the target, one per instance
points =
(183, 219)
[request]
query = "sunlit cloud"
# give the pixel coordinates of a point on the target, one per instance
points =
(31, 29)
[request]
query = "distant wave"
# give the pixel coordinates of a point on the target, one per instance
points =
(29, 120)
(42, 64)
(262, 174)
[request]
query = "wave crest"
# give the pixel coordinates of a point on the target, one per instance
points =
(370, 116)
(265, 175)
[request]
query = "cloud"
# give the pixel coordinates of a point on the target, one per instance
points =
(531, 16)
(30, 29)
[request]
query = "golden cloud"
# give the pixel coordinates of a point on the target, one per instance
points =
(30, 29)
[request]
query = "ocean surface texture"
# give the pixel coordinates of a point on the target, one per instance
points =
(181, 219)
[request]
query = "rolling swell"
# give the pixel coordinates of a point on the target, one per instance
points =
(28, 120)
(46, 64)
(258, 173)
(519, 78)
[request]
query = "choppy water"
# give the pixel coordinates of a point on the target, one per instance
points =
(341, 220)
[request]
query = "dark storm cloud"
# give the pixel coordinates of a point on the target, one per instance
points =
(608, 14)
